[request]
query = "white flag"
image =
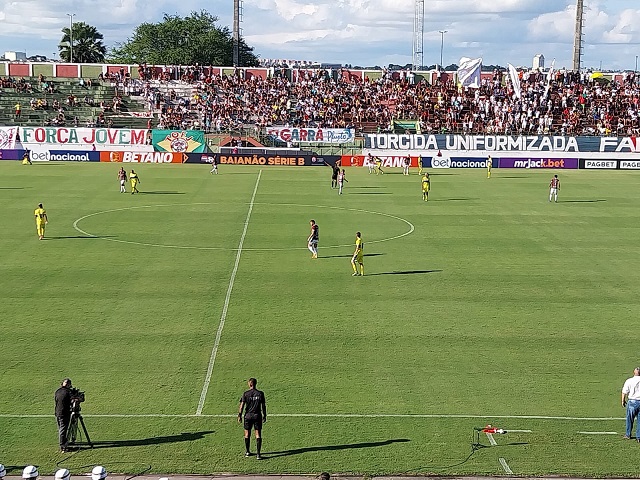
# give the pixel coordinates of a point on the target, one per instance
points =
(549, 79)
(515, 80)
(469, 72)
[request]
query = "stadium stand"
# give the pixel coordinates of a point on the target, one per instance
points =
(195, 97)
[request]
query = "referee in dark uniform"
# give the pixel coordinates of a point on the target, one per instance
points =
(255, 414)
(63, 412)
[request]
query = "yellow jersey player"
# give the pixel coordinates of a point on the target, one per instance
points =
(135, 180)
(419, 165)
(426, 186)
(489, 164)
(378, 168)
(41, 220)
(357, 256)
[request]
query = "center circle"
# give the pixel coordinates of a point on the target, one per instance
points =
(108, 235)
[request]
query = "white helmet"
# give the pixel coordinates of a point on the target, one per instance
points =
(3, 471)
(98, 473)
(63, 474)
(30, 472)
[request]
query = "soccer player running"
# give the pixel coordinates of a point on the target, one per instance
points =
(426, 186)
(135, 180)
(554, 186)
(255, 414)
(41, 220)
(122, 176)
(489, 165)
(312, 241)
(214, 166)
(357, 256)
(341, 179)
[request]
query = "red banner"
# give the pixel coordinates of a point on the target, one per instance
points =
(387, 161)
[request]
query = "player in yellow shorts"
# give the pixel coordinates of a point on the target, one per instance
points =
(41, 220)
(357, 256)
(135, 180)
(426, 186)
(419, 165)
(489, 164)
(378, 168)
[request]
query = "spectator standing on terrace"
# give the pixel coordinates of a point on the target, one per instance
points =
(631, 401)
(255, 414)
(18, 110)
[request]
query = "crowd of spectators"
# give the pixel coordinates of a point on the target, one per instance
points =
(560, 103)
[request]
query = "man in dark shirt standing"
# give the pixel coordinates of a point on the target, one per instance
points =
(63, 412)
(255, 414)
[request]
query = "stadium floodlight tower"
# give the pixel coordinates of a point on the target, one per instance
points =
(418, 36)
(237, 18)
(577, 36)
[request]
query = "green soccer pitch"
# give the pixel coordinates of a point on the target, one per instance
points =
(485, 305)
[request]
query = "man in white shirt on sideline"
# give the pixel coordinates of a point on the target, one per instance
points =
(631, 401)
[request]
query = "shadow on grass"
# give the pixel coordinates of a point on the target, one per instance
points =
(583, 201)
(13, 188)
(78, 236)
(324, 448)
(181, 437)
(357, 188)
(452, 199)
(403, 272)
(161, 193)
(514, 176)
(369, 193)
(351, 255)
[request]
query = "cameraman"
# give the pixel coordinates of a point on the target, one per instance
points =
(63, 412)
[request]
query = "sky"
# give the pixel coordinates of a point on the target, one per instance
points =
(360, 32)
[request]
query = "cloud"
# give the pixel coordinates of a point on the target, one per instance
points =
(363, 32)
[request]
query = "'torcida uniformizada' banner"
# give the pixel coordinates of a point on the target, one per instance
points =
(501, 143)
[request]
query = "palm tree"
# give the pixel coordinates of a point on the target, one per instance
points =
(87, 44)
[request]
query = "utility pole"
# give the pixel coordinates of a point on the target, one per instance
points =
(71, 15)
(442, 32)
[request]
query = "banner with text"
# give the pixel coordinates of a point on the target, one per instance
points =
(180, 141)
(143, 157)
(8, 137)
(317, 135)
(501, 143)
(388, 161)
(303, 160)
(457, 162)
(538, 163)
(63, 156)
(82, 138)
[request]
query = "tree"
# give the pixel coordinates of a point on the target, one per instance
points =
(87, 44)
(182, 41)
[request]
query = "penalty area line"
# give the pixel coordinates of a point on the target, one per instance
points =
(505, 466)
(225, 308)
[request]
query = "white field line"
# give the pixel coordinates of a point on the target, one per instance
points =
(517, 431)
(504, 464)
(225, 308)
(599, 433)
(322, 415)
(492, 440)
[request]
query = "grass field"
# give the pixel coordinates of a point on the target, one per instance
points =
(485, 305)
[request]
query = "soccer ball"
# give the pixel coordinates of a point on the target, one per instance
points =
(63, 474)
(30, 472)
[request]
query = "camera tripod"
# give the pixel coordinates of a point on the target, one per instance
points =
(74, 431)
